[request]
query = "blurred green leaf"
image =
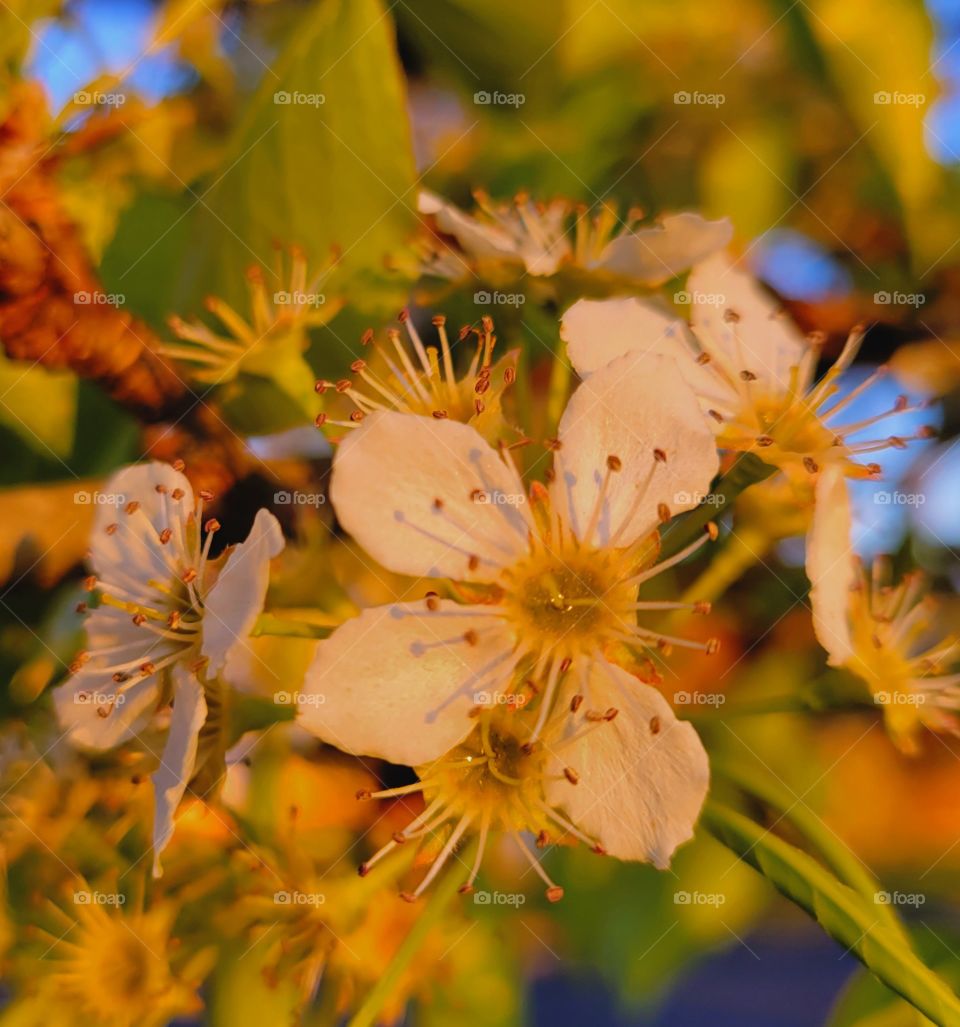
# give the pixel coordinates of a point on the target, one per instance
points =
(39, 405)
(839, 910)
(322, 158)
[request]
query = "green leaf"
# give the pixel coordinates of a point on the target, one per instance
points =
(39, 405)
(322, 158)
(839, 910)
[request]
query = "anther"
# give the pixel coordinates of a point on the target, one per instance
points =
(440, 415)
(358, 365)
(89, 583)
(554, 893)
(165, 536)
(81, 607)
(177, 494)
(614, 463)
(713, 646)
(543, 840)
(111, 529)
(474, 562)
(731, 317)
(408, 896)
(132, 507)
(654, 725)
(212, 525)
(575, 703)
(701, 606)
(188, 575)
(206, 495)
(747, 376)
(432, 601)
(139, 619)
(363, 870)
(173, 619)
(363, 794)
(571, 775)
(712, 531)
(438, 503)
(764, 440)
(179, 466)
(356, 416)
(659, 456)
(810, 464)
(471, 637)
(663, 513)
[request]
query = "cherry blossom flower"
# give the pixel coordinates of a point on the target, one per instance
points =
(161, 623)
(536, 238)
(891, 637)
(539, 600)
(754, 375)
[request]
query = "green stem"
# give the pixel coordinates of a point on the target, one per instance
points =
(739, 553)
(841, 860)
(748, 469)
(838, 909)
(439, 900)
(286, 627)
(558, 390)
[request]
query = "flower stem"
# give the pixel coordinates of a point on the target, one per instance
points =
(440, 898)
(319, 626)
(740, 552)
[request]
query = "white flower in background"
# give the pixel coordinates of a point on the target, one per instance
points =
(754, 374)
(162, 619)
(892, 637)
(547, 598)
(537, 238)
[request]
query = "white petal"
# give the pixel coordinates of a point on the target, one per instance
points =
(629, 412)
(83, 701)
(762, 340)
(232, 606)
(179, 758)
(598, 331)
(132, 554)
(655, 254)
(425, 496)
(80, 701)
(399, 682)
(476, 238)
(643, 776)
(831, 565)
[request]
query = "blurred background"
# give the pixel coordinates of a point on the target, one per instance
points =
(828, 131)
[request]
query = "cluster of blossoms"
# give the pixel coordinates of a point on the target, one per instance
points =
(521, 684)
